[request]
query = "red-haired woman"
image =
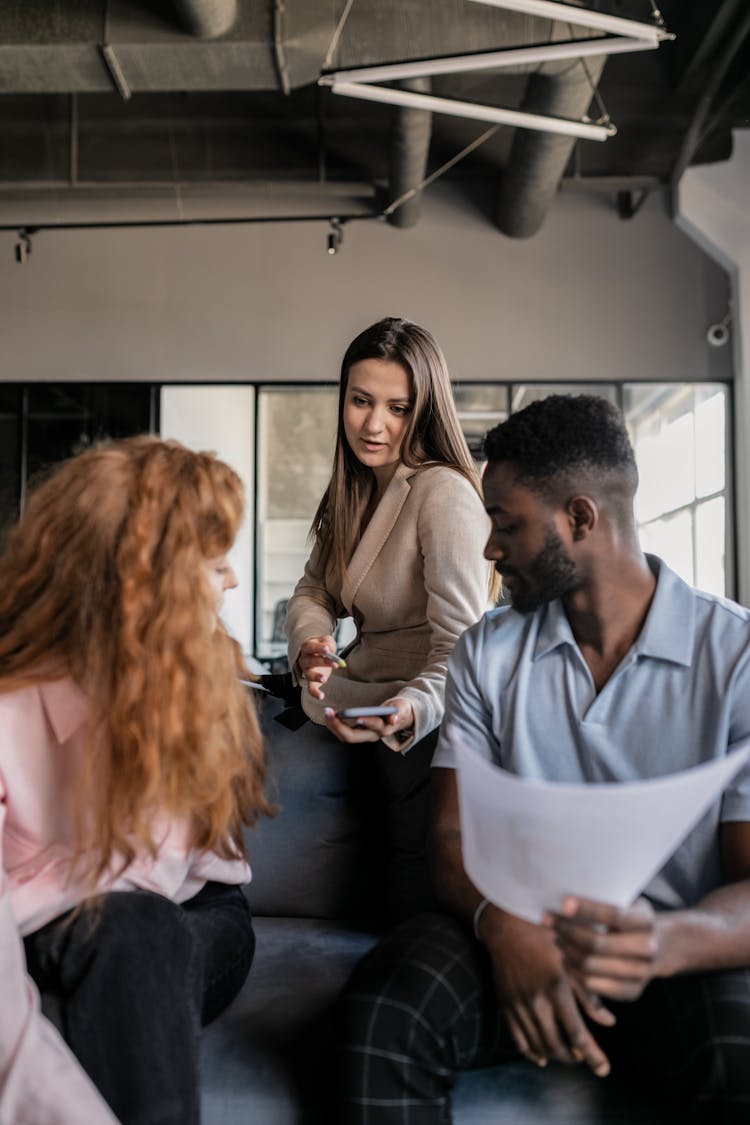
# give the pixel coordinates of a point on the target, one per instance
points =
(130, 758)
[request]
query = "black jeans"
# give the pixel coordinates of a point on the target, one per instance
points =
(137, 976)
(400, 829)
(421, 1007)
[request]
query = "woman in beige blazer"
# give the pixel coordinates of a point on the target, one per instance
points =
(398, 546)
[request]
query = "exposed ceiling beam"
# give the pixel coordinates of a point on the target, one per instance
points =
(719, 27)
(734, 39)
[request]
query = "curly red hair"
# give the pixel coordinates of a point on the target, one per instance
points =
(103, 580)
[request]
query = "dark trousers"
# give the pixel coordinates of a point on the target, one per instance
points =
(402, 783)
(389, 795)
(420, 1007)
(137, 976)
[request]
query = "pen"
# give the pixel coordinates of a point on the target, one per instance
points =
(334, 658)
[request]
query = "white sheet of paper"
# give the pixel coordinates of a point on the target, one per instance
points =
(526, 843)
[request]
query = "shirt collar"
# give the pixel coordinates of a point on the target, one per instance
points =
(667, 633)
(554, 629)
(66, 707)
(669, 629)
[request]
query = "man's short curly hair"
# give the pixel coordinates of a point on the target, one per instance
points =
(565, 436)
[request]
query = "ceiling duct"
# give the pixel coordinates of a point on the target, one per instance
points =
(538, 160)
(49, 48)
(410, 148)
(207, 18)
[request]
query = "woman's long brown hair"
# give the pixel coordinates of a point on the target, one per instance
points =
(103, 580)
(433, 434)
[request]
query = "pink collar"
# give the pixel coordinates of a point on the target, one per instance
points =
(66, 707)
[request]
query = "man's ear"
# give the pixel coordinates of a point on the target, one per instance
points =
(583, 515)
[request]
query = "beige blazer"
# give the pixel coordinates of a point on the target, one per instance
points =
(416, 581)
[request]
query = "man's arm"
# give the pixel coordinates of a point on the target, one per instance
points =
(617, 952)
(533, 990)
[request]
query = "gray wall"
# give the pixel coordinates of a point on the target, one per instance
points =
(590, 297)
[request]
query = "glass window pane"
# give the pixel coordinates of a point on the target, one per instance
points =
(121, 409)
(710, 535)
(296, 438)
(525, 393)
(51, 439)
(59, 400)
(710, 439)
(680, 437)
(480, 406)
(660, 420)
(221, 418)
(663, 436)
(671, 538)
(58, 424)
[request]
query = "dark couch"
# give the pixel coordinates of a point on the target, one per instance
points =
(312, 896)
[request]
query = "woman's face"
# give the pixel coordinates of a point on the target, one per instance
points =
(221, 577)
(377, 407)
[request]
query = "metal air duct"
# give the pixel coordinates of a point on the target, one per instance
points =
(537, 160)
(207, 18)
(410, 147)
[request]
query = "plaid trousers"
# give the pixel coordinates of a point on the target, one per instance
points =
(421, 1006)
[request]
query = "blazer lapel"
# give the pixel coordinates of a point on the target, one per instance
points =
(377, 531)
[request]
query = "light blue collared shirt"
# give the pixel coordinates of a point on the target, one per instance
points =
(520, 692)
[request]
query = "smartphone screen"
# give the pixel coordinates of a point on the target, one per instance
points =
(351, 714)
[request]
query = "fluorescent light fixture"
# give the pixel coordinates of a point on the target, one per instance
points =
(490, 60)
(620, 35)
(453, 108)
(581, 17)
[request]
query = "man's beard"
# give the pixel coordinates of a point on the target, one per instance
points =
(551, 574)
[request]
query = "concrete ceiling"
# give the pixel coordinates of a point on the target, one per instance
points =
(174, 111)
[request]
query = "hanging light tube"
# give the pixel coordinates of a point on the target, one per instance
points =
(453, 108)
(491, 60)
(581, 17)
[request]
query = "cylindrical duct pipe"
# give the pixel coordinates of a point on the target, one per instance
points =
(537, 160)
(207, 18)
(410, 147)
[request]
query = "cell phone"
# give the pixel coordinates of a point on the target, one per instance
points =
(351, 714)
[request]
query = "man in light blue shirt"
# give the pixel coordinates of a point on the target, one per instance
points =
(680, 696)
(606, 667)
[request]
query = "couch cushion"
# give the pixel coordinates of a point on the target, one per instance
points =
(259, 1060)
(315, 859)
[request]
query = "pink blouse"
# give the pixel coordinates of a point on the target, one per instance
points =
(41, 743)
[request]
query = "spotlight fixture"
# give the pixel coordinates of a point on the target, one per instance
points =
(22, 249)
(335, 236)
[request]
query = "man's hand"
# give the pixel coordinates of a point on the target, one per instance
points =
(541, 1004)
(608, 951)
